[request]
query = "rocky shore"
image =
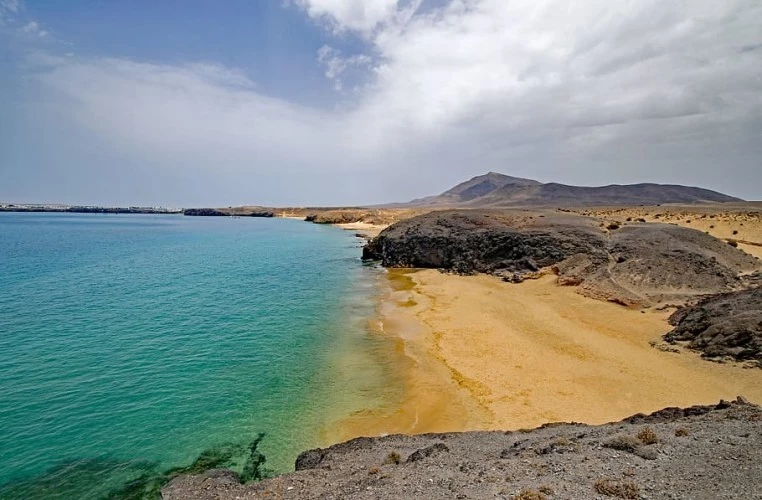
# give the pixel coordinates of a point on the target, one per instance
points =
(701, 452)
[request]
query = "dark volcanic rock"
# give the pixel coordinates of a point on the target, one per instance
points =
(428, 451)
(635, 264)
(487, 242)
(724, 325)
(219, 212)
(204, 212)
(310, 459)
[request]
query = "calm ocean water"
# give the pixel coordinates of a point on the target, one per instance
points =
(134, 341)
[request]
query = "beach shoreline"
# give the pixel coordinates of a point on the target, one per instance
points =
(476, 353)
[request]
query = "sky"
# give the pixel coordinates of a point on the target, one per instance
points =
(350, 102)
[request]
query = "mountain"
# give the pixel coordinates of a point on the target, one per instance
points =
(498, 190)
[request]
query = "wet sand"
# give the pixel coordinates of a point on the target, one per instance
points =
(477, 354)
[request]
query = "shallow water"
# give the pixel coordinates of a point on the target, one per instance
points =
(135, 342)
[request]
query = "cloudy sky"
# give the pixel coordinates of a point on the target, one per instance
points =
(336, 102)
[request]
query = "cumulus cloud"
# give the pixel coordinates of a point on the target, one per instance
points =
(362, 16)
(587, 92)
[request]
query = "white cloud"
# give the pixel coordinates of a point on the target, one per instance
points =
(8, 10)
(361, 16)
(335, 64)
(12, 6)
(34, 28)
(588, 92)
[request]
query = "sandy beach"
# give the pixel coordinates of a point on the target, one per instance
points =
(366, 229)
(481, 354)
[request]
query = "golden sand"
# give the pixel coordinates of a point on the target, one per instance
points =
(365, 228)
(479, 353)
(741, 222)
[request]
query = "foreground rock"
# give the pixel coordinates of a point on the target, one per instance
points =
(703, 452)
(723, 326)
(632, 264)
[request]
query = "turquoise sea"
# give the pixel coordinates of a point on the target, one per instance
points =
(136, 342)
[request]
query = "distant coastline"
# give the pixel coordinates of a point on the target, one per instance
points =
(86, 209)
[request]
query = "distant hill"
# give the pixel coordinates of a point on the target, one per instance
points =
(498, 190)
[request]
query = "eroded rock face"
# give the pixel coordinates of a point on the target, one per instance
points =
(728, 325)
(635, 264)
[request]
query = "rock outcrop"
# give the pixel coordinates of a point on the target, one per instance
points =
(633, 264)
(723, 326)
(229, 212)
(702, 452)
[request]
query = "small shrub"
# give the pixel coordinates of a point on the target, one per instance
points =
(646, 435)
(561, 441)
(546, 490)
(618, 489)
(733, 243)
(711, 226)
(613, 226)
(735, 232)
(393, 458)
(373, 470)
(530, 495)
(681, 432)
(623, 443)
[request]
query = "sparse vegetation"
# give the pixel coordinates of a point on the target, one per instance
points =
(646, 435)
(735, 232)
(546, 490)
(623, 442)
(393, 458)
(681, 432)
(612, 226)
(618, 489)
(530, 495)
(561, 441)
(373, 470)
